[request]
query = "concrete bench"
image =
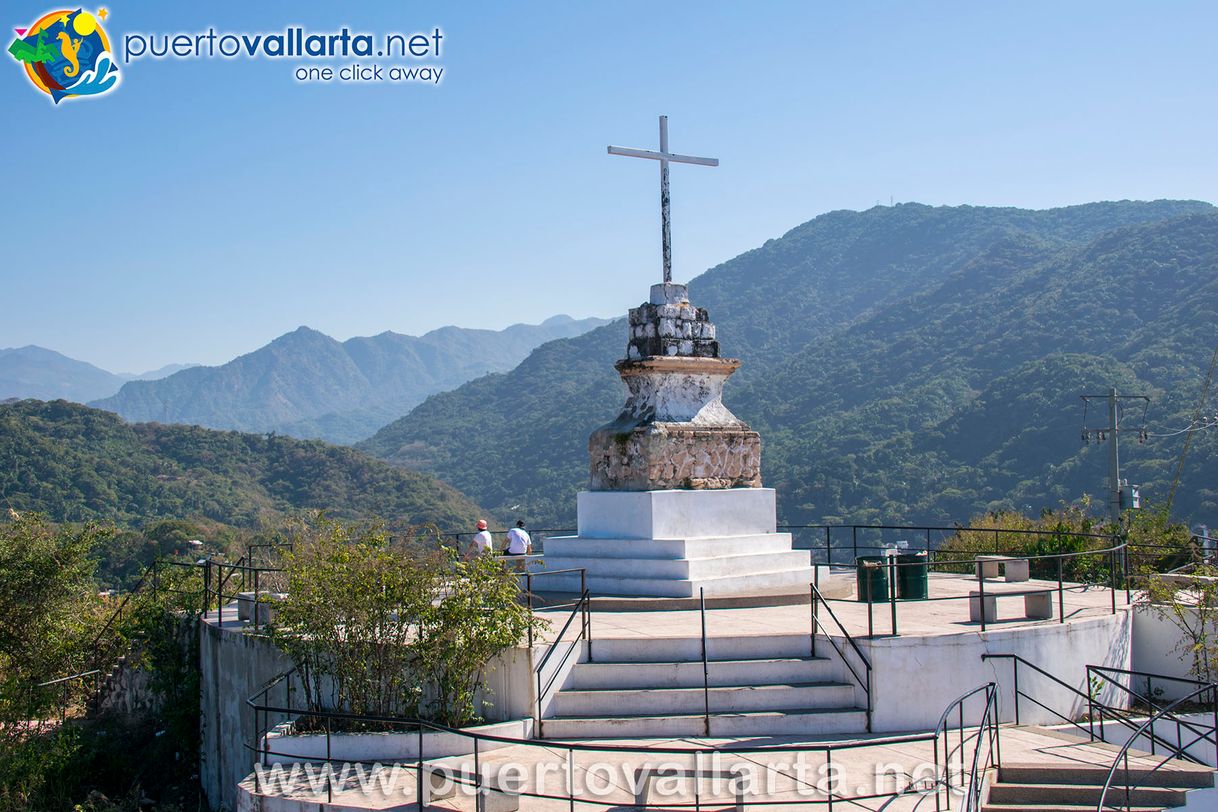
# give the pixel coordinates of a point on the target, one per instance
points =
(1014, 569)
(440, 783)
(645, 778)
(1037, 604)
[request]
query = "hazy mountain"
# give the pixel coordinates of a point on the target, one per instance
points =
(74, 463)
(155, 374)
(306, 384)
(36, 372)
(902, 363)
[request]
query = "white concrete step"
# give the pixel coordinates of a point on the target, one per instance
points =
(797, 576)
(688, 674)
(678, 701)
(752, 723)
(695, 569)
(576, 547)
(689, 649)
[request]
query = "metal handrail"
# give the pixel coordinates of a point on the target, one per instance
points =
(581, 609)
(1117, 714)
(1106, 673)
(943, 772)
(988, 723)
(1180, 751)
(260, 749)
(864, 683)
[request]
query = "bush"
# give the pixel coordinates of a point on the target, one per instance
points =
(402, 629)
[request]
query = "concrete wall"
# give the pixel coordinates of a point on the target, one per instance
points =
(915, 678)
(1157, 645)
(236, 665)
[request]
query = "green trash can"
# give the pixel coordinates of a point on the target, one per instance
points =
(912, 575)
(872, 580)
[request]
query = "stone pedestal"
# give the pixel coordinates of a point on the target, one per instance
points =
(675, 504)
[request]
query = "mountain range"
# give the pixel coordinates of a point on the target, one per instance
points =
(36, 372)
(904, 363)
(306, 384)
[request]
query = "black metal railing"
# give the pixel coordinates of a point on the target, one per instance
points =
(1122, 679)
(1207, 695)
(977, 751)
(1052, 561)
(1097, 709)
(862, 680)
(581, 609)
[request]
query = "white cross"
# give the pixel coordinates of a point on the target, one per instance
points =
(664, 156)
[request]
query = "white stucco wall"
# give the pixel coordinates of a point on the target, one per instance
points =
(236, 665)
(1157, 644)
(914, 678)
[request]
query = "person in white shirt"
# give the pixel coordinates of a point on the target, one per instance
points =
(481, 542)
(518, 541)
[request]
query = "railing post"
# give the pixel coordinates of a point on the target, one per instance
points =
(870, 613)
(705, 664)
(1128, 572)
(828, 548)
(1061, 594)
(981, 597)
(329, 766)
(257, 600)
(1015, 671)
(892, 591)
(528, 588)
(1112, 577)
(418, 777)
(854, 536)
(829, 774)
(812, 611)
(1090, 705)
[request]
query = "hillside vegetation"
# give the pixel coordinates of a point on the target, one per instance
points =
(903, 363)
(73, 463)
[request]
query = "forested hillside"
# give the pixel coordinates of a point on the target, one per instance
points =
(902, 363)
(74, 463)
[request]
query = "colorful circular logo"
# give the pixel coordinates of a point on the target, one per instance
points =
(66, 54)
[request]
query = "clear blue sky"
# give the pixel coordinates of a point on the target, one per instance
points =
(207, 206)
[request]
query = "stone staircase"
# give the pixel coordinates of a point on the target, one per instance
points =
(653, 687)
(1076, 788)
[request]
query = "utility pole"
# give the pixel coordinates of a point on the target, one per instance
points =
(1114, 460)
(1120, 494)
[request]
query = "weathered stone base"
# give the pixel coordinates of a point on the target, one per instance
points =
(660, 456)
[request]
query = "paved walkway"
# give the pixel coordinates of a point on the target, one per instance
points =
(797, 778)
(947, 612)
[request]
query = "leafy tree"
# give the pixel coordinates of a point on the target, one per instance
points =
(393, 629)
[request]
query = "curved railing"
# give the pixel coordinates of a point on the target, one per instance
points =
(1122, 756)
(973, 762)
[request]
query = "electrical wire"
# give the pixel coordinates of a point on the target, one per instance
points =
(1188, 440)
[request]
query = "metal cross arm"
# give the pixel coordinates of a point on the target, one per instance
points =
(664, 157)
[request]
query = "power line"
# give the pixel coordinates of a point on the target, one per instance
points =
(1205, 391)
